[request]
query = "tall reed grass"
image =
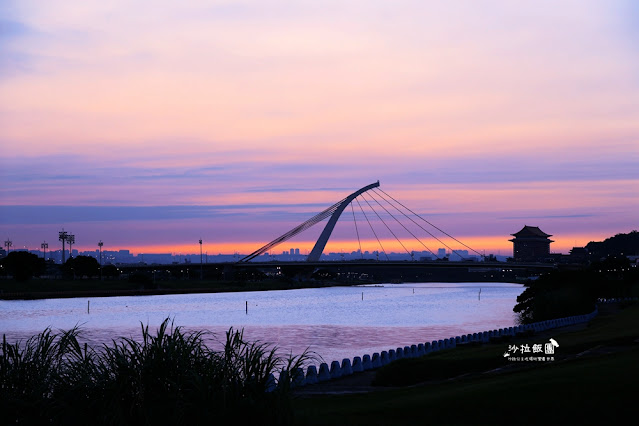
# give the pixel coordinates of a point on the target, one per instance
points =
(170, 377)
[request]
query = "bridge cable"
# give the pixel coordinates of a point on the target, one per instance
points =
(426, 230)
(374, 233)
(403, 226)
(422, 228)
(293, 232)
(440, 230)
(357, 231)
(386, 225)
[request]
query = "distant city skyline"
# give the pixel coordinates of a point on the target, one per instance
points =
(501, 248)
(152, 128)
(125, 256)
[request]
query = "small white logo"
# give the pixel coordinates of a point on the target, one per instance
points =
(549, 348)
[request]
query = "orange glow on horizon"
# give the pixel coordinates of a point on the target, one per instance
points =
(485, 245)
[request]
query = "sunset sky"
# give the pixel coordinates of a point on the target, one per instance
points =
(151, 124)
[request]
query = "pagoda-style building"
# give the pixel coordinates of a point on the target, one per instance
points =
(531, 244)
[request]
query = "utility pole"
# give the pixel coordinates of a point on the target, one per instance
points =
(71, 240)
(62, 236)
(100, 244)
(201, 271)
(44, 247)
(8, 243)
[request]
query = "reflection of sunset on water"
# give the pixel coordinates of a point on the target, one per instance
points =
(337, 322)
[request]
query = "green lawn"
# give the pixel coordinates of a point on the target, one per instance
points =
(577, 390)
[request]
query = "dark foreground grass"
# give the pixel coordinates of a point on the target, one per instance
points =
(586, 389)
(167, 378)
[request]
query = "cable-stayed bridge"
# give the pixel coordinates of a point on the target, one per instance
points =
(374, 206)
(382, 209)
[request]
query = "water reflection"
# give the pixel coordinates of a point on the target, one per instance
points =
(336, 322)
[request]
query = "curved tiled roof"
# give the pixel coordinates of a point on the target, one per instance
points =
(531, 231)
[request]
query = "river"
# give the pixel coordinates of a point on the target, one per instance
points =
(334, 322)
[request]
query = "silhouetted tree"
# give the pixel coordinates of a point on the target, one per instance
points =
(80, 266)
(619, 245)
(557, 294)
(565, 293)
(110, 271)
(23, 265)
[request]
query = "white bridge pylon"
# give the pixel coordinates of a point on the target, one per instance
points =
(315, 254)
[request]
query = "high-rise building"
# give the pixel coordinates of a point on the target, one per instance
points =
(459, 255)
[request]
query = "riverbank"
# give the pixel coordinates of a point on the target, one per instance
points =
(57, 289)
(592, 379)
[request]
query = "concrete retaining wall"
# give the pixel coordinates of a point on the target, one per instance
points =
(377, 360)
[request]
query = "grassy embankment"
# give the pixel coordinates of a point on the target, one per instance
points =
(41, 288)
(594, 378)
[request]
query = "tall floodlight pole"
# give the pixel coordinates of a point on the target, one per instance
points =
(100, 244)
(44, 247)
(62, 236)
(8, 243)
(71, 240)
(201, 272)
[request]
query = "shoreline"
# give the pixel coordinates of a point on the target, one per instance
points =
(596, 361)
(226, 287)
(44, 289)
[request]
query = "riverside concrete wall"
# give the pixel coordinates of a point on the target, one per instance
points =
(336, 369)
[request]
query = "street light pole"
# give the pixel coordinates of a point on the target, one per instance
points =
(71, 240)
(44, 246)
(201, 272)
(62, 236)
(100, 244)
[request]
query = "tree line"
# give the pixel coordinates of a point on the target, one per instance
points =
(23, 266)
